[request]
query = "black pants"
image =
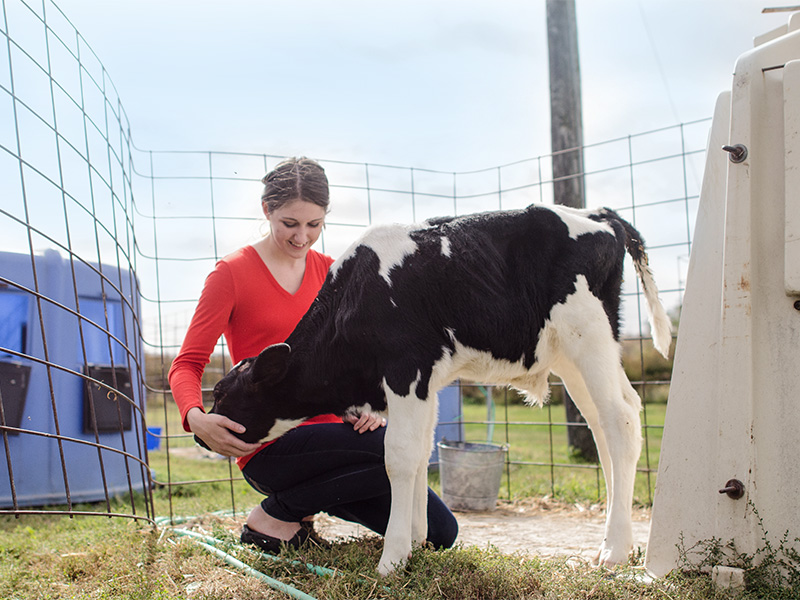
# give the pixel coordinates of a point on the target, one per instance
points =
(332, 468)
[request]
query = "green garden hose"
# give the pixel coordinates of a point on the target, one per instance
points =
(321, 571)
(209, 544)
(273, 583)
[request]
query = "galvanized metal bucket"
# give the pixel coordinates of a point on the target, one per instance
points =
(470, 474)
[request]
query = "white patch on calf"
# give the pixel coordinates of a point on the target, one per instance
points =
(481, 365)
(391, 243)
(446, 247)
(578, 223)
(578, 323)
(360, 409)
(281, 426)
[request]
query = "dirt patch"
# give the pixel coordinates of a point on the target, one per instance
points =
(532, 526)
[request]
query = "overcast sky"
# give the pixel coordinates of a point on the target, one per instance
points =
(441, 84)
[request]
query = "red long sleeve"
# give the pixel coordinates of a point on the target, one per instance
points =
(242, 301)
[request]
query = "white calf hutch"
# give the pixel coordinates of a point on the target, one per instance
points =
(731, 437)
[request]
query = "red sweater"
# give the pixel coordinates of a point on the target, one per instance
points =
(242, 301)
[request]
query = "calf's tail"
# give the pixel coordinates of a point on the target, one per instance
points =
(660, 324)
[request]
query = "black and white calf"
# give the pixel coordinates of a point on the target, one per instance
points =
(499, 297)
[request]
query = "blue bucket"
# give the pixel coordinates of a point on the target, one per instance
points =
(153, 438)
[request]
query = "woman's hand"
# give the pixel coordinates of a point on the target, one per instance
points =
(215, 431)
(363, 422)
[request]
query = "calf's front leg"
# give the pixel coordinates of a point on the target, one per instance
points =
(425, 421)
(407, 449)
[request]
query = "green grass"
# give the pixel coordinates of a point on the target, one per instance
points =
(48, 557)
(198, 486)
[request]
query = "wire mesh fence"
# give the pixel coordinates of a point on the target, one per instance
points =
(104, 250)
(70, 341)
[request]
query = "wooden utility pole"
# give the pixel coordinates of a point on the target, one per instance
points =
(566, 134)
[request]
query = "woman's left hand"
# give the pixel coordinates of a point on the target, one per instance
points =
(365, 421)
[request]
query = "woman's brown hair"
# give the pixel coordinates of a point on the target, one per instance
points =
(295, 178)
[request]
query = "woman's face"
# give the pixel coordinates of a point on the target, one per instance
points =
(295, 226)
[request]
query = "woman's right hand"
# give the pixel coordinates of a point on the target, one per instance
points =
(215, 431)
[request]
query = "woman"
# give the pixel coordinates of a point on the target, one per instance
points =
(255, 297)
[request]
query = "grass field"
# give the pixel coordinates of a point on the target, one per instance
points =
(55, 558)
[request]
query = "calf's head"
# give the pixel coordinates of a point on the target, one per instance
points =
(247, 394)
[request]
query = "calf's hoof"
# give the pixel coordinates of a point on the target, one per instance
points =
(611, 556)
(388, 565)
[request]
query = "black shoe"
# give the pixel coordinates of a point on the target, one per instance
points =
(313, 535)
(270, 544)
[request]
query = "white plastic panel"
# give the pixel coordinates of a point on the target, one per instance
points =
(791, 120)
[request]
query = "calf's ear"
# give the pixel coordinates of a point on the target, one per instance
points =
(271, 365)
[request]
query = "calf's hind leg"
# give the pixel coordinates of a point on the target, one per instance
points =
(611, 408)
(587, 357)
